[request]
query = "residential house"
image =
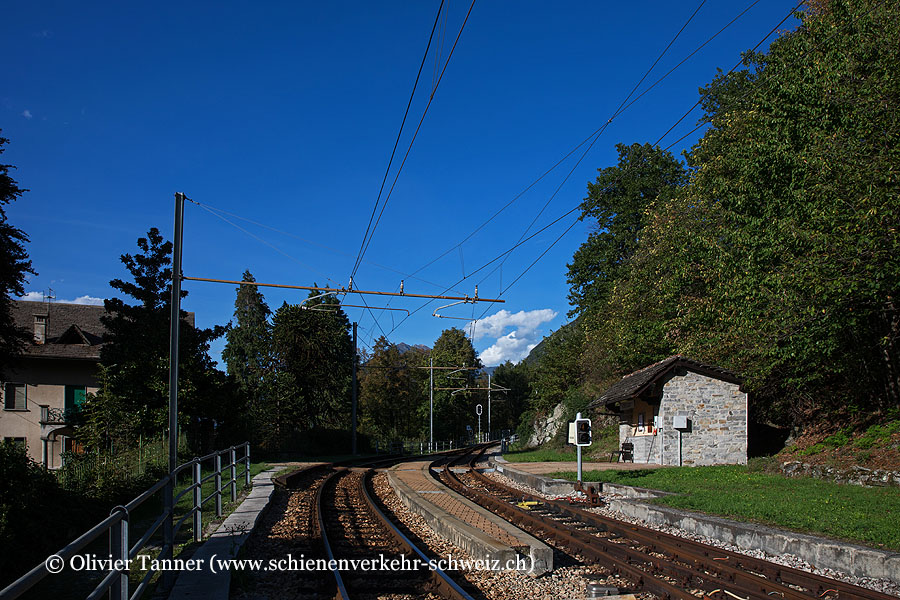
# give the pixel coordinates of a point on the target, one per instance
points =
(680, 412)
(52, 377)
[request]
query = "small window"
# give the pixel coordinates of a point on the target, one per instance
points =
(14, 396)
(18, 441)
(641, 423)
(75, 396)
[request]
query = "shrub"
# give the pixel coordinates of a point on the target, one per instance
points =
(36, 515)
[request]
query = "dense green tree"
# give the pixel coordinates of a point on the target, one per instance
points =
(507, 407)
(14, 267)
(780, 258)
(617, 202)
(390, 393)
(313, 358)
(452, 412)
(803, 169)
(558, 370)
(248, 358)
(135, 354)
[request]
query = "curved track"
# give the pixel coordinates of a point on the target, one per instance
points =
(666, 565)
(353, 528)
(328, 513)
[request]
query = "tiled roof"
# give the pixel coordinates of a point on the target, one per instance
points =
(87, 331)
(632, 386)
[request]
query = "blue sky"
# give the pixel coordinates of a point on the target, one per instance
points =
(284, 114)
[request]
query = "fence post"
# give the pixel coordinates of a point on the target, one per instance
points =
(198, 498)
(233, 455)
(218, 481)
(247, 464)
(118, 551)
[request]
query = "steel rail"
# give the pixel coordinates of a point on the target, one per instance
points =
(696, 574)
(439, 581)
(752, 576)
(646, 581)
(443, 583)
(725, 561)
(332, 561)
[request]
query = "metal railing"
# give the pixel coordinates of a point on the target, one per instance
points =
(118, 525)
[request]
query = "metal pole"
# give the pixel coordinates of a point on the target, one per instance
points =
(578, 416)
(198, 500)
(218, 484)
(118, 551)
(489, 406)
(174, 324)
(353, 409)
(430, 402)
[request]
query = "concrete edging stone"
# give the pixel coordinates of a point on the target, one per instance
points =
(478, 544)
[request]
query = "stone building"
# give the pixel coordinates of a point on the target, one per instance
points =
(680, 412)
(50, 381)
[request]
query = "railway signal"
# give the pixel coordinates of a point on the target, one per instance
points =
(582, 432)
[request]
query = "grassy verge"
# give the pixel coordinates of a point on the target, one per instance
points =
(867, 515)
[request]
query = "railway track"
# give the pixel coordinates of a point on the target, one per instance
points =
(353, 528)
(330, 518)
(663, 564)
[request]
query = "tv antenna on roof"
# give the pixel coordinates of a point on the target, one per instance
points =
(49, 295)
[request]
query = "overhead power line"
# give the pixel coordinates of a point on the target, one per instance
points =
(397, 141)
(569, 212)
(582, 143)
(411, 142)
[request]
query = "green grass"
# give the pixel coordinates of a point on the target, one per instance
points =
(867, 515)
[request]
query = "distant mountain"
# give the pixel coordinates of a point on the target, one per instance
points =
(403, 347)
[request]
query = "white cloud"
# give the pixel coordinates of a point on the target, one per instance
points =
(86, 300)
(525, 322)
(509, 347)
(39, 297)
(26, 113)
(515, 345)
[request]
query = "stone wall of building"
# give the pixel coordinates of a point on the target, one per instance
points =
(646, 447)
(717, 413)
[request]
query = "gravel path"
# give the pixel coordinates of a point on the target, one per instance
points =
(881, 585)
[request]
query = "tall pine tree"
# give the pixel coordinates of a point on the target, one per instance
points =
(14, 266)
(248, 357)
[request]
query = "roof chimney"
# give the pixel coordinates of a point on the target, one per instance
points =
(40, 329)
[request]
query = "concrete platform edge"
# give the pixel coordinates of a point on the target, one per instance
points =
(545, 485)
(479, 545)
(846, 557)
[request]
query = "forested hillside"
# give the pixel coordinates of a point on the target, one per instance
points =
(771, 248)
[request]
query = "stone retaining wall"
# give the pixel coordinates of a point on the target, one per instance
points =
(853, 475)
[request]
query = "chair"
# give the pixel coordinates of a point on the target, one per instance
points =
(626, 453)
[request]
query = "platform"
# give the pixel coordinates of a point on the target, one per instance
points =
(482, 534)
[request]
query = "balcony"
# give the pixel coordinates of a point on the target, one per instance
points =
(52, 416)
